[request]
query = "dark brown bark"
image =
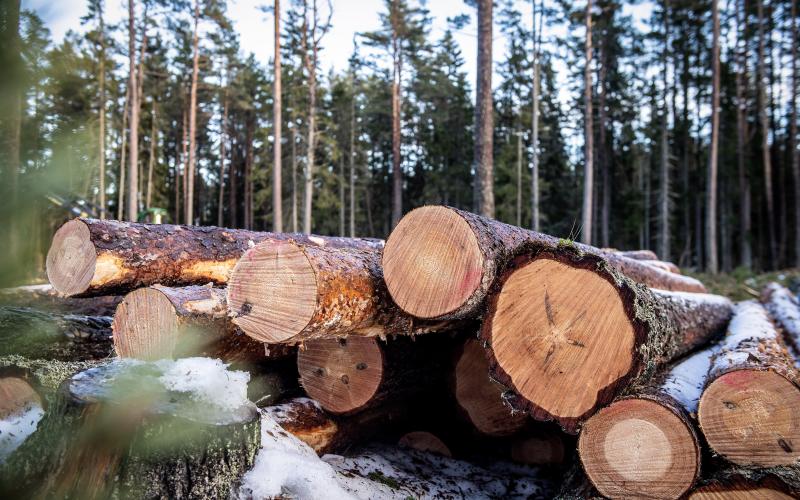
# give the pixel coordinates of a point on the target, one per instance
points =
(94, 257)
(484, 114)
(766, 153)
(96, 441)
(794, 154)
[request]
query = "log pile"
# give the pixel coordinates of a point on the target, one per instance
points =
(461, 337)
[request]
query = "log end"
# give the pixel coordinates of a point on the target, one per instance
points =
(272, 292)
(750, 418)
(479, 398)
(561, 337)
(342, 374)
(432, 262)
(425, 441)
(637, 448)
(145, 326)
(72, 258)
(16, 396)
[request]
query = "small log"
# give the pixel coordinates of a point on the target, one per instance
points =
(425, 441)
(566, 333)
(98, 257)
(349, 375)
(749, 407)
(644, 444)
(45, 298)
(285, 291)
(441, 262)
(115, 431)
(637, 254)
(479, 398)
(784, 308)
(40, 334)
(663, 265)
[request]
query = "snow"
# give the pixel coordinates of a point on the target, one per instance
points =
(686, 379)
(15, 428)
(750, 322)
(287, 467)
(784, 307)
(691, 297)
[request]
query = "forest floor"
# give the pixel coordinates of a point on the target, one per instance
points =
(742, 284)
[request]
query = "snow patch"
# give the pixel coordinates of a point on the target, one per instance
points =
(686, 380)
(15, 429)
(784, 307)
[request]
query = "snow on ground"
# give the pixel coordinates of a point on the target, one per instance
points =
(15, 428)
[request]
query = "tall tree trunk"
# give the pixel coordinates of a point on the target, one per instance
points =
(686, 256)
(765, 147)
(484, 114)
(352, 157)
(223, 128)
(189, 201)
(184, 156)
(248, 175)
(151, 160)
(519, 177)
(294, 176)
(794, 155)
(133, 163)
(711, 186)
(588, 178)
(234, 176)
(742, 137)
(310, 62)
(535, 124)
(139, 94)
(12, 97)
(602, 147)
(277, 165)
(663, 202)
(342, 220)
(102, 125)
(123, 152)
(397, 80)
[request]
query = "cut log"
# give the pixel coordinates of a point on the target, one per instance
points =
(644, 445)
(20, 412)
(32, 333)
(735, 484)
(663, 265)
(748, 411)
(96, 257)
(45, 298)
(285, 291)
(637, 254)
(783, 306)
(479, 398)
(349, 375)
(16, 395)
(441, 262)
(122, 430)
(566, 333)
(424, 441)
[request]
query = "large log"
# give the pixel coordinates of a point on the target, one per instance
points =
(784, 308)
(645, 444)
(479, 398)
(96, 257)
(441, 262)
(119, 430)
(33, 333)
(351, 374)
(285, 291)
(748, 410)
(565, 333)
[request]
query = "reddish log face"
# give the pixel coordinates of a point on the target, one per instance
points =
(637, 448)
(432, 262)
(16, 395)
(480, 398)
(72, 259)
(750, 418)
(343, 375)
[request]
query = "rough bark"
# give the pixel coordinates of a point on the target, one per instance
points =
(663, 265)
(277, 166)
(484, 121)
(39, 334)
(640, 330)
(133, 102)
(350, 375)
(92, 257)
(288, 292)
(752, 392)
(98, 442)
(664, 233)
(636, 254)
(477, 251)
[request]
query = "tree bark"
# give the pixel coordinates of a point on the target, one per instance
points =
(349, 375)
(133, 163)
(664, 233)
(353, 157)
(766, 153)
(152, 159)
(102, 438)
(794, 154)
(448, 277)
(746, 407)
(535, 124)
(46, 298)
(223, 133)
(588, 150)
(293, 135)
(277, 122)
(397, 110)
(543, 354)
(484, 114)
(638, 254)
(189, 200)
(92, 257)
(101, 139)
(123, 153)
(310, 63)
(711, 186)
(742, 137)
(290, 291)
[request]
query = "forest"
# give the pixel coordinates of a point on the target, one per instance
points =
(676, 133)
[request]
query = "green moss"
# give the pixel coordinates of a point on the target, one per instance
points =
(379, 477)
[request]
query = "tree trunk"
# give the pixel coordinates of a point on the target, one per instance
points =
(353, 158)
(248, 174)
(133, 163)
(277, 165)
(746, 408)
(92, 257)
(639, 254)
(139, 94)
(602, 148)
(484, 114)
(543, 354)
(664, 236)
(190, 171)
(519, 178)
(101, 139)
(535, 125)
(350, 375)
(46, 298)
(742, 137)
(104, 438)
(711, 187)
(794, 154)
(397, 109)
(766, 154)
(342, 220)
(322, 292)
(479, 398)
(645, 444)
(223, 132)
(425, 442)
(310, 63)
(294, 175)
(588, 150)
(123, 152)
(234, 176)
(475, 251)
(152, 159)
